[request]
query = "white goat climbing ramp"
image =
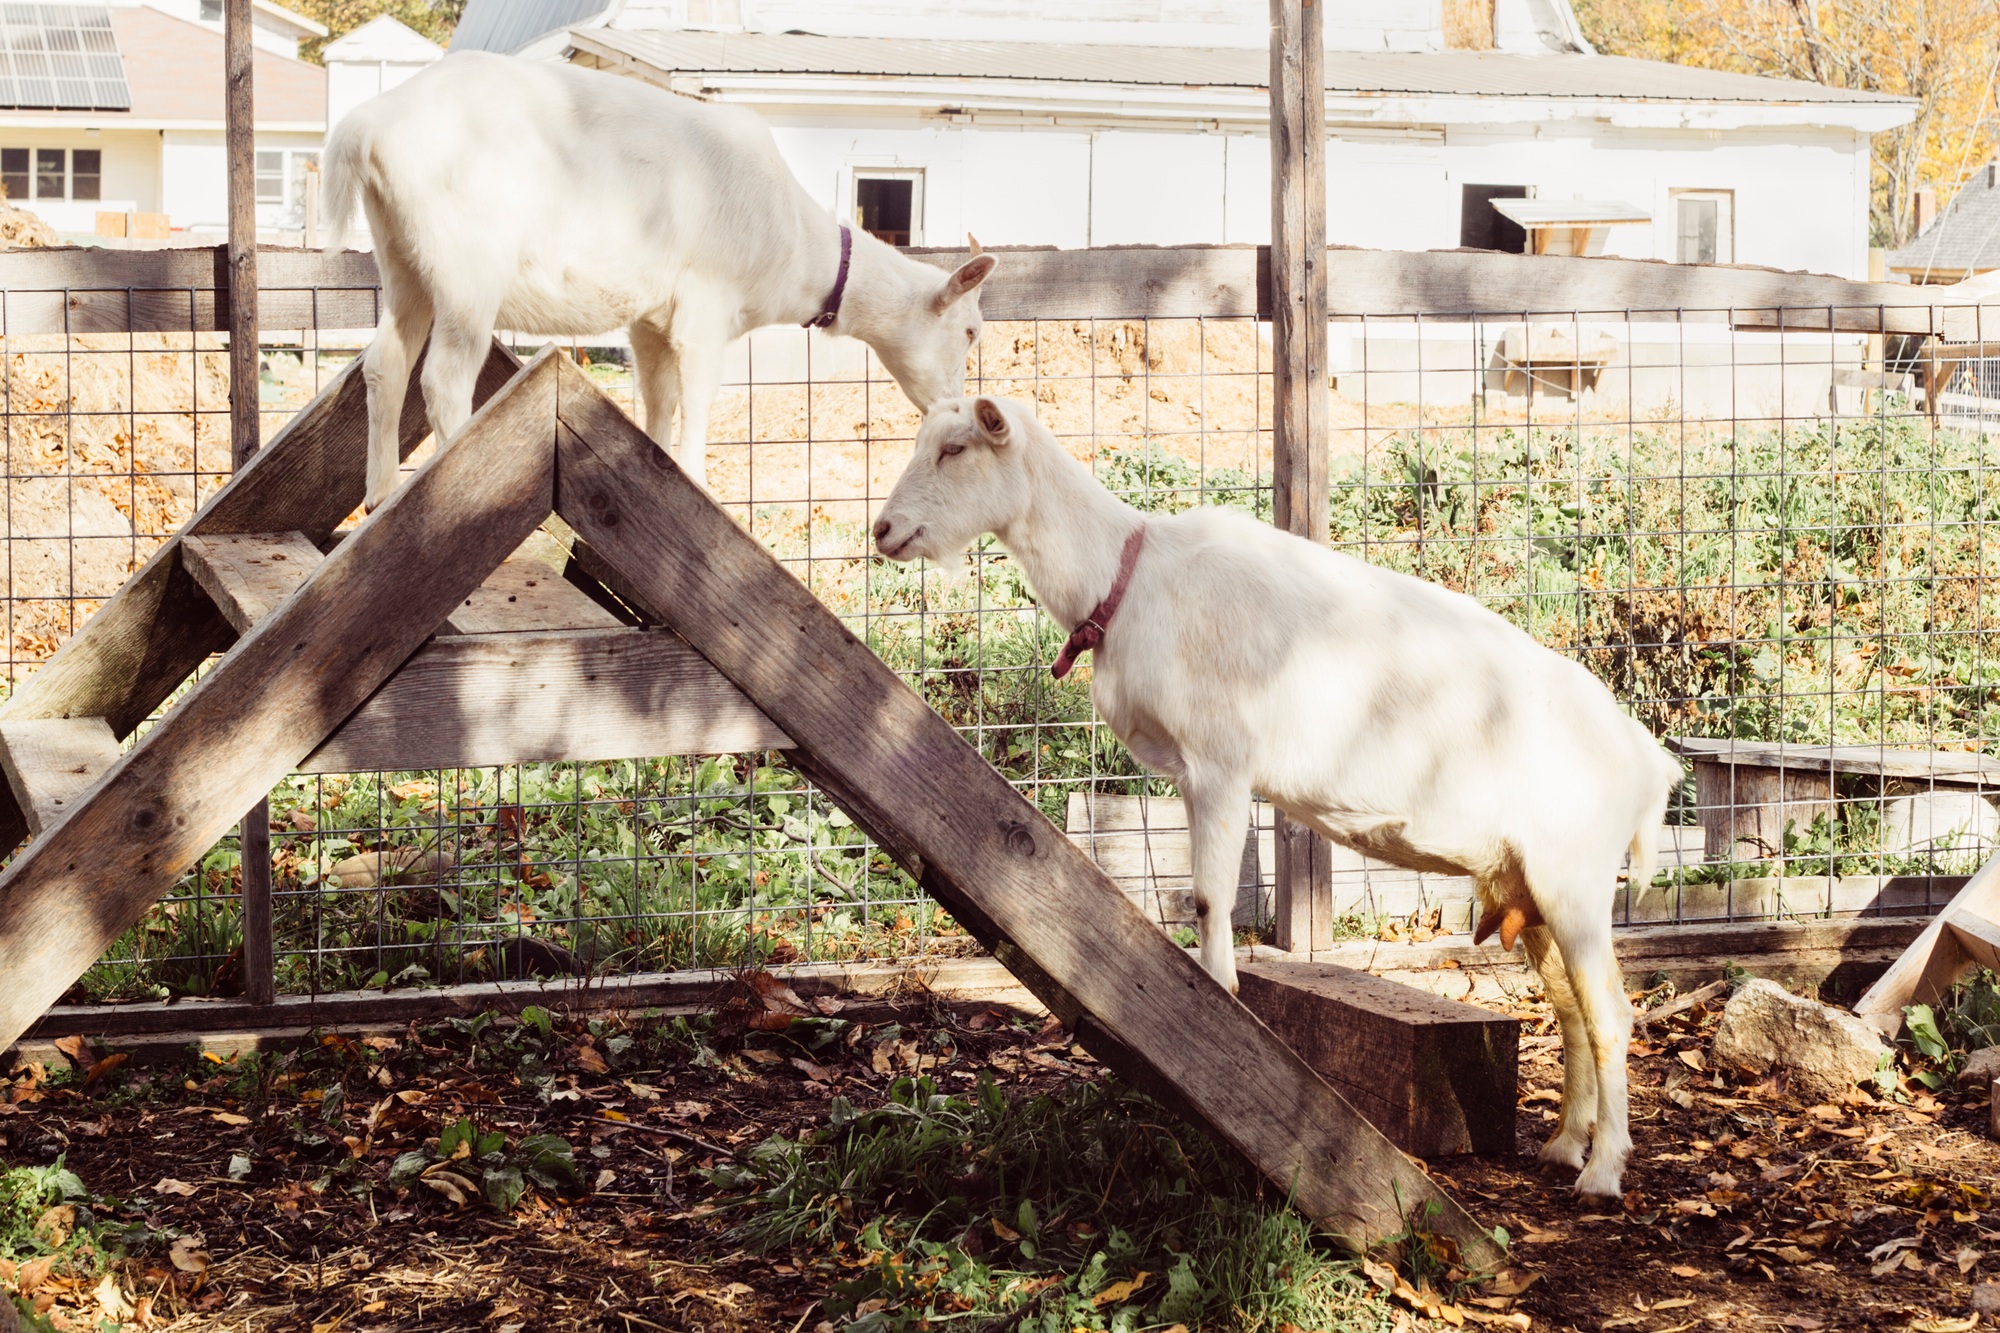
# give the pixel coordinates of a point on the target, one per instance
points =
(330, 650)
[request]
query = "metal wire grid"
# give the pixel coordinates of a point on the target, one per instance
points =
(1487, 486)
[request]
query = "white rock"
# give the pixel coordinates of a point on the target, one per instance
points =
(1957, 829)
(1825, 1051)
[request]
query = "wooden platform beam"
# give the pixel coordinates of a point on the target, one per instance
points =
(1138, 1003)
(275, 695)
(247, 574)
(1437, 1076)
(579, 695)
(52, 761)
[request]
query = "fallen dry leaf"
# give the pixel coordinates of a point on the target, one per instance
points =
(33, 1274)
(187, 1255)
(168, 1185)
(1120, 1291)
(112, 1300)
(590, 1061)
(230, 1118)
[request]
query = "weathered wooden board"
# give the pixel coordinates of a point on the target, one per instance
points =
(274, 696)
(538, 697)
(139, 647)
(525, 595)
(1945, 768)
(1004, 872)
(247, 574)
(52, 761)
(1438, 1077)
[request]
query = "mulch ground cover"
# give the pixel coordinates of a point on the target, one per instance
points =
(565, 1173)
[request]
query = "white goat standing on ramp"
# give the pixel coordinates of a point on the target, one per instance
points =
(1391, 715)
(548, 199)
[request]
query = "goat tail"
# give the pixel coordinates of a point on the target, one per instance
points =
(1645, 849)
(343, 171)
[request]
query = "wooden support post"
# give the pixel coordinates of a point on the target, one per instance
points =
(1438, 1077)
(1302, 896)
(245, 427)
(1135, 1001)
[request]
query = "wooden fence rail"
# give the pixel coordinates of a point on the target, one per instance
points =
(113, 291)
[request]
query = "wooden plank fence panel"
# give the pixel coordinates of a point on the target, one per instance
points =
(95, 290)
(972, 841)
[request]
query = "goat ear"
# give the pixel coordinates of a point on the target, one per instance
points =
(993, 425)
(969, 275)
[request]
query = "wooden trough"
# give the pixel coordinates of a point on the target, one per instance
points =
(671, 629)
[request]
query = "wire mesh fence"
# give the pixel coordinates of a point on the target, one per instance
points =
(1770, 541)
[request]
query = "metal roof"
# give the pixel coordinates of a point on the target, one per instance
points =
(1965, 238)
(1451, 73)
(60, 57)
(1569, 212)
(509, 25)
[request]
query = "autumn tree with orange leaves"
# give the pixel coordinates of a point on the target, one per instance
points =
(1943, 53)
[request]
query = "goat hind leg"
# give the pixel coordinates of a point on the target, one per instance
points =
(385, 369)
(1571, 1141)
(1599, 989)
(1218, 820)
(451, 370)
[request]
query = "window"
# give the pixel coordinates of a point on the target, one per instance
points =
(1483, 227)
(270, 177)
(86, 174)
(211, 11)
(50, 177)
(1704, 227)
(890, 205)
(14, 172)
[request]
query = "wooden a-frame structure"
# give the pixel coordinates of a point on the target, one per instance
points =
(415, 641)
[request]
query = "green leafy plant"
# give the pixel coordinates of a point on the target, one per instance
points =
(470, 1163)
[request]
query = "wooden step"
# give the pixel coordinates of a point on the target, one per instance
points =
(52, 761)
(246, 574)
(523, 595)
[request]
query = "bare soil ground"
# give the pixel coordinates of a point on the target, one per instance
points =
(1746, 1208)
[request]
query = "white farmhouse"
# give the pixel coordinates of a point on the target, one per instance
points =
(111, 119)
(1110, 122)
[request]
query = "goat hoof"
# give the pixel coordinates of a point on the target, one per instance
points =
(1600, 1180)
(1565, 1150)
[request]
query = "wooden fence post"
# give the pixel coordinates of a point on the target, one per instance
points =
(254, 836)
(1302, 898)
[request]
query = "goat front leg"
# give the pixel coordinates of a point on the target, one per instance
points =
(698, 344)
(1599, 989)
(1218, 813)
(659, 381)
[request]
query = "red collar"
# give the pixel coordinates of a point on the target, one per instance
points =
(1091, 632)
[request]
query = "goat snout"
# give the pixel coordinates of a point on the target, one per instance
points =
(888, 544)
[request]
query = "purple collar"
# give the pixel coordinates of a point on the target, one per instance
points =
(1091, 632)
(826, 317)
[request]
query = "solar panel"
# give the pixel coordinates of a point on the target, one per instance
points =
(62, 57)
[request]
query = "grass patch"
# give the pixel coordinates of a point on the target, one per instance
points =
(1087, 1209)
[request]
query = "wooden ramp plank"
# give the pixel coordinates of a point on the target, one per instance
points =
(142, 644)
(974, 843)
(1935, 959)
(51, 761)
(525, 595)
(274, 697)
(562, 695)
(246, 574)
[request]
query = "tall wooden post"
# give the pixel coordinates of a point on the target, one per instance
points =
(254, 836)
(1302, 903)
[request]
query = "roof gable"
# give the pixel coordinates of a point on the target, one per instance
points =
(383, 38)
(1966, 236)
